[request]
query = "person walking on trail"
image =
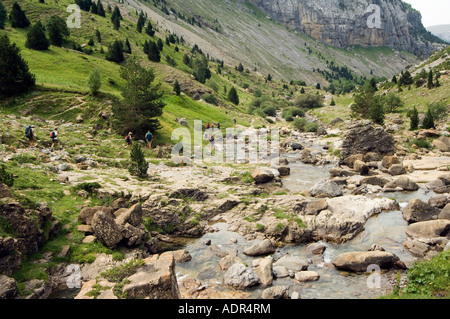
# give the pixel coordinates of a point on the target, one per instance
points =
(129, 139)
(212, 142)
(234, 120)
(54, 137)
(29, 133)
(149, 138)
(218, 125)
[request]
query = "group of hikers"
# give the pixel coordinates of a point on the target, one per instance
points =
(31, 136)
(209, 135)
(148, 139)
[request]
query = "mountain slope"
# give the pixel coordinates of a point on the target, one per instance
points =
(239, 32)
(348, 22)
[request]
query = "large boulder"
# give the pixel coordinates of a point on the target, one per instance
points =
(429, 229)
(346, 216)
(240, 276)
(261, 248)
(30, 238)
(8, 288)
(277, 292)
(417, 211)
(105, 229)
(156, 279)
(326, 189)
(442, 143)
(445, 212)
(264, 271)
(362, 139)
(404, 183)
(10, 258)
(359, 261)
(87, 213)
(291, 263)
(262, 175)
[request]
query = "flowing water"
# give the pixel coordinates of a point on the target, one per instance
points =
(386, 229)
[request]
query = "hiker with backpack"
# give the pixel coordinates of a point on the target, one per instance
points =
(29, 133)
(212, 142)
(149, 138)
(129, 139)
(54, 137)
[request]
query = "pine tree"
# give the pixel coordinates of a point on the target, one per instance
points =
(430, 84)
(115, 52)
(15, 75)
(233, 96)
(414, 120)
(95, 82)
(177, 88)
(428, 121)
(139, 165)
(94, 8)
(100, 9)
(116, 22)
(140, 23)
(141, 105)
(98, 35)
(36, 38)
(127, 47)
(153, 52)
(3, 15)
(149, 29)
(302, 90)
(17, 17)
(57, 30)
(160, 45)
(146, 47)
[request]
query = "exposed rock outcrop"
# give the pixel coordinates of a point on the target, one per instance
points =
(344, 22)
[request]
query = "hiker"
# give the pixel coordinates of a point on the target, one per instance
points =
(211, 141)
(208, 126)
(54, 137)
(129, 139)
(29, 132)
(149, 138)
(234, 120)
(218, 125)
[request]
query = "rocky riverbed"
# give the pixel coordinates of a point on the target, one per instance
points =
(308, 227)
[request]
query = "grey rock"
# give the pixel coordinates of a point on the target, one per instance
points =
(326, 189)
(240, 277)
(277, 292)
(261, 248)
(417, 211)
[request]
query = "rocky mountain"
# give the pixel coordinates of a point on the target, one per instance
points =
(442, 31)
(342, 23)
(253, 33)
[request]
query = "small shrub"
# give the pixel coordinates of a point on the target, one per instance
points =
(139, 164)
(5, 177)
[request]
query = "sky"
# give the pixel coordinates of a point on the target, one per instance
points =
(434, 12)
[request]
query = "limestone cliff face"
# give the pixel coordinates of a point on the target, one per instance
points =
(354, 22)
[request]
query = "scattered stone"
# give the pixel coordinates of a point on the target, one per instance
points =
(316, 248)
(326, 189)
(277, 292)
(304, 276)
(264, 271)
(397, 169)
(417, 211)
(262, 175)
(445, 212)
(296, 146)
(240, 276)
(261, 248)
(429, 229)
(293, 263)
(358, 261)
(404, 183)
